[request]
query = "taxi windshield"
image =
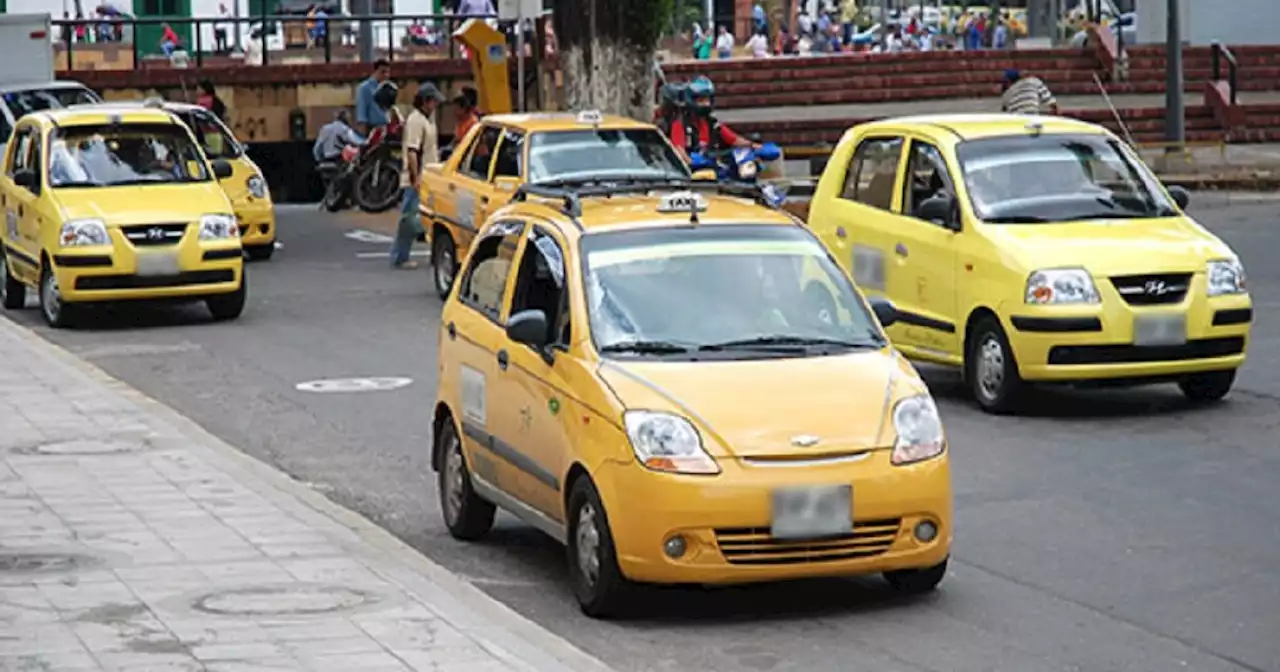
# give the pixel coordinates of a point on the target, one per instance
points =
(640, 153)
(1057, 178)
(753, 290)
(33, 100)
(123, 154)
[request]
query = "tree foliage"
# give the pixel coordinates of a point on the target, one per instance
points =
(606, 52)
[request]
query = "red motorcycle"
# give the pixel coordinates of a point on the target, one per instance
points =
(369, 174)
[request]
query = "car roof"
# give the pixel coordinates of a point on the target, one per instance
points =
(43, 86)
(978, 126)
(562, 121)
(85, 115)
(172, 106)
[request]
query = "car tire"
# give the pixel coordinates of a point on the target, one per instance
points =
(56, 313)
(990, 368)
(597, 580)
(444, 264)
(467, 515)
(13, 294)
(917, 581)
(229, 306)
(260, 252)
(1209, 386)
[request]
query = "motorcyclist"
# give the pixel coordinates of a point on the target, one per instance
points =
(334, 137)
(701, 131)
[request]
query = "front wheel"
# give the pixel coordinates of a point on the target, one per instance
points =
(917, 581)
(56, 314)
(228, 306)
(598, 583)
(13, 294)
(990, 368)
(444, 263)
(378, 186)
(1206, 387)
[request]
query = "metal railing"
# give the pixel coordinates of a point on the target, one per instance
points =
(1218, 53)
(390, 33)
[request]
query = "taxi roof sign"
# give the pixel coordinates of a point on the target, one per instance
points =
(593, 117)
(682, 201)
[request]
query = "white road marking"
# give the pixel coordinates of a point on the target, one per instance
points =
(363, 236)
(385, 255)
(338, 385)
(136, 350)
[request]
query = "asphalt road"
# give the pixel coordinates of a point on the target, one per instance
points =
(1118, 530)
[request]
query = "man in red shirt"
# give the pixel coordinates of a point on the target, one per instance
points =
(702, 131)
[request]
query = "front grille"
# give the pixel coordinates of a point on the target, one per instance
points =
(92, 282)
(1204, 348)
(754, 545)
(1152, 290)
(150, 235)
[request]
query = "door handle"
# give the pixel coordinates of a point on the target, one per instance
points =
(900, 250)
(20, 211)
(502, 360)
(484, 200)
(453, 331)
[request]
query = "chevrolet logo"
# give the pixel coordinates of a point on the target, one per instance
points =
(805, 441)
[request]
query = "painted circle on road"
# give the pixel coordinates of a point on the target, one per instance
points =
(339, 385)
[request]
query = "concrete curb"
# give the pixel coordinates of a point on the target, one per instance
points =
(520, 641)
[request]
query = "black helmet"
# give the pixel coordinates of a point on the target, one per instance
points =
(675, 95)
(386, 94)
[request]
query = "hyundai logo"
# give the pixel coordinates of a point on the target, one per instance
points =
(155, 233)
(1157, 288)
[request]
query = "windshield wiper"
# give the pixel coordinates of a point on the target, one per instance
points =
(647, 347)
(1015, 219)
(787, 341)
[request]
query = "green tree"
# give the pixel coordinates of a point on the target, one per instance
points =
(606, 51)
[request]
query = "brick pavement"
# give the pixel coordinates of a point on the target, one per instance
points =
(130, 539)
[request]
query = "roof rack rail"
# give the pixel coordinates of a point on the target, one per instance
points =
(572, 193)
(572, 204)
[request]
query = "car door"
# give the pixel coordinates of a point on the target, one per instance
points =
(21, 204)
(539, 380)
(472, 191)
(926, 252)
(474, 335)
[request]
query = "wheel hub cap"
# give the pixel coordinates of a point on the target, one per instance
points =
(444, 269)
(588, 543)
(453, 472)
(51, 297)
(990, 367)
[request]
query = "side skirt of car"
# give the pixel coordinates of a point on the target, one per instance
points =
(528, 514)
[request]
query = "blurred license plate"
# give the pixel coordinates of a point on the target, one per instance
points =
(1155, 330)
(812, 513)
(157, 263)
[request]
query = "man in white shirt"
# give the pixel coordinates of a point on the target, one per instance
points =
(419, 148)
(724, 43)
(759, 45)
(1025, 94)
(220, 30)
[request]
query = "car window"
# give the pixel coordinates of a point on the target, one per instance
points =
(485, 282)
(641, 153)
(757, 281)
(19, 149)
(873, 172)
(477, 163)
(108, 155)
(540, 284)
(25, 101)
(510, 155)
(213, 136)
(927, 176)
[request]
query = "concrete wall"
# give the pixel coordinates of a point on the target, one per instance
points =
(1232, 22)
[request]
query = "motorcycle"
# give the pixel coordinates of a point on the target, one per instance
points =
(377, 176)
(743, 165)
(337, 178)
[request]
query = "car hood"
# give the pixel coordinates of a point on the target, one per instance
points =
(1113, 246)
(756, 408)
(144, 204)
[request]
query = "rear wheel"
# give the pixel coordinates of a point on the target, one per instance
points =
(335, 193)
(378, 186)
(598, 582)
(13, 294)
(916, 581)
(228, 306)
(444, 263)
(1205, 387)
(468, 516)
(990, 368)
(56, 314)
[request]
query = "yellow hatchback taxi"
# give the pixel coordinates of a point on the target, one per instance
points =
(683, 388)
(1033, 249)
(505, 151)
(247, 189)
(114, 205)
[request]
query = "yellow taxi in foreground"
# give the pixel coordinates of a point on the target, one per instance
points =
(112, 205)
(683, 388)
(504, 151)
(247, 189)
(1033, 249)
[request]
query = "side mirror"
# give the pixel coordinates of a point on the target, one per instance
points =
(1180, 196)
(705, 175)
(528, 327)
(507, 184)
(26, 179)
(222, 169)
(939, 209)
(885, 311)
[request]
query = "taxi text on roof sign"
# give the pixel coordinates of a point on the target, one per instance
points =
(590, 117)
(682, 201)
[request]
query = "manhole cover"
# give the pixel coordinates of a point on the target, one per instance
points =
(336, 385)
(281, 601)
(42, 563)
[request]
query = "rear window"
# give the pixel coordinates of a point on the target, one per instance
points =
(603, 153)
(37, 99)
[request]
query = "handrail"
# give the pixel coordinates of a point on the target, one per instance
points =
(1219, 52)
(1114, 112)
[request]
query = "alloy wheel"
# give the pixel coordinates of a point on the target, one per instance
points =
(587, 540)
(990, 367)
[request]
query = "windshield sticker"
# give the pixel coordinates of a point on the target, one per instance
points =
(474, 407)
(703, 248)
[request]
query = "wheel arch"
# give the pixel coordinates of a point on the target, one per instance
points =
(976, 315)
(576, 471)
(443, 414)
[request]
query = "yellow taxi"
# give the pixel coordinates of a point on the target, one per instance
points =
(683, 387)
(1033, 249)
(113, 205)
(247, 189)
(504, 151)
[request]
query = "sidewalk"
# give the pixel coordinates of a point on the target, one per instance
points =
(130, 539)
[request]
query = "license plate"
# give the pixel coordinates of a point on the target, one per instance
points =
(1155, 330)
(812, 513)
(156, 263)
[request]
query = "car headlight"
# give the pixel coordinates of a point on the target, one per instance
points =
(1226, 276)
(218, 227)
(257, 187)
(919, 429)
(1061, 285)
(666, 442)
(81, 232)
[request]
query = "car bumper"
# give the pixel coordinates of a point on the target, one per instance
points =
(725, 520)
(1083, 343)
(257, 224)
(113, 275)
